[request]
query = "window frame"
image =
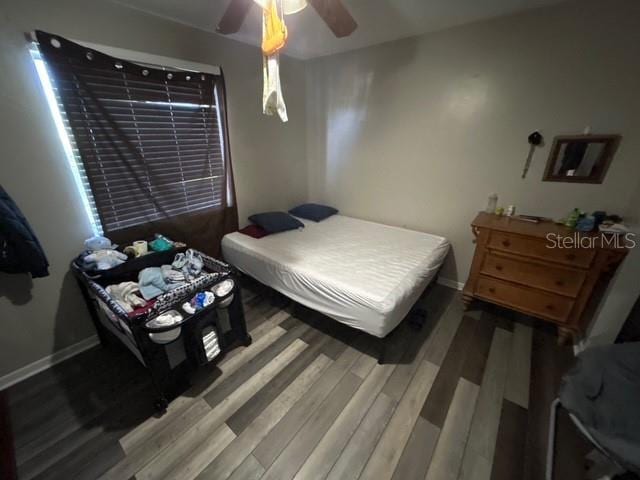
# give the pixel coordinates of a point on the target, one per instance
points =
(65, 134)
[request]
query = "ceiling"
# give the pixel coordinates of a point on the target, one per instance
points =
(379, 20)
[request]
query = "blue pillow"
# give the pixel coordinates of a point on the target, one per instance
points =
(274, 222)
(313, 211)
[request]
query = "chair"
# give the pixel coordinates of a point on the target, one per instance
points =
(602, 395)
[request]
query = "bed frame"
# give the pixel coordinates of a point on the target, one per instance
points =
(416, 317)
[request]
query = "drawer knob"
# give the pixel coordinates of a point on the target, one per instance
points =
(571, 256)
(559, 283)
(549, 307)
(492, 290)
(506, 243)
(499, 268)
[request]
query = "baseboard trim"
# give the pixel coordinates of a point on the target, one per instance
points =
(450, 283)
(47, 362)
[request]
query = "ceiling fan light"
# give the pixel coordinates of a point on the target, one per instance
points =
(293, 6)
(289, 6)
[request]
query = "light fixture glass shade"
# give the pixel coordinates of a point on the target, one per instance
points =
(289, 6)
(293, 6)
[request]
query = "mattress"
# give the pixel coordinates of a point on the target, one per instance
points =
(363, 274)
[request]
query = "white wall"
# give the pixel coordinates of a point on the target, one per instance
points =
(45, 315)
(624, 288)
(419, 132)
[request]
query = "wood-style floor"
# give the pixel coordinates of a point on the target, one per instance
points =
(465, 397)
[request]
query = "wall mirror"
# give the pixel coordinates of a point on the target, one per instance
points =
(580, 158)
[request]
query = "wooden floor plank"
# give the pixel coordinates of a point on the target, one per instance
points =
(179, 449)
(337, 345)
(181, 422)
(548, 363)
(419, 345)
(69, 457)
(250, 469)
(486, 419)
(225, 388)
(277, 439)
(152, 425)
(47, 406)
(447, 457)
(55, 443)
(263, 328)
(86, 365)
(416, 456)
(543, 391)
(320, 461)
(441, 340)
(368, 360)
(246, 414)
(163, 450)
(278, 407)
(290, 322)
(508, 460)
(256, 333)
(66, 446)
(437, 403)
(306, 439)
(93, 458)
(201, 453)
(517, 386)
(67, 412)
(88, 462)
(254, 314)
(474, 365)
(476, 467)
(241, 447)
(502, 317)
(364, 365)
(387, 453)
(355, 454)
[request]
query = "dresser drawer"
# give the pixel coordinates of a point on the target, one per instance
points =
(535, 302)
(564, 281)
(539, 248)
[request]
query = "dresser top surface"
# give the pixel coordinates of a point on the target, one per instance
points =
(521, 227)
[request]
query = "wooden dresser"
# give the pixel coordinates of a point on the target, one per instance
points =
(516, 265)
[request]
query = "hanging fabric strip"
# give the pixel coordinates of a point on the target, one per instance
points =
(274, 36)
(272, 98)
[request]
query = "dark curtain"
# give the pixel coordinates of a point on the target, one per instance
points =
(104, 99)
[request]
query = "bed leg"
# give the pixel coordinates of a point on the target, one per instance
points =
(383, 353)
(418, 318)
(384, 348)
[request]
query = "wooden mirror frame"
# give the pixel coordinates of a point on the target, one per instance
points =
(611, 146)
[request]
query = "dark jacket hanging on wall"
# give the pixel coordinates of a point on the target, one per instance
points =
(20, 250)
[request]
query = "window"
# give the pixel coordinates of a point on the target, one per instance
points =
(66, 138)
(144, 142)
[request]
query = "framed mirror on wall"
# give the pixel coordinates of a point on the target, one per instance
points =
(580, 158)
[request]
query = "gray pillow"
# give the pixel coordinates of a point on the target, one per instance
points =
(313, 211)
(275, 222)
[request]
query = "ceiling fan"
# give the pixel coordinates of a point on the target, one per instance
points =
(333, 12)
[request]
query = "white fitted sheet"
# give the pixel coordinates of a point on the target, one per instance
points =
(364, 274)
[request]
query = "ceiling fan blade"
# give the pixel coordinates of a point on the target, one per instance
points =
(234, 16)
(336, 16)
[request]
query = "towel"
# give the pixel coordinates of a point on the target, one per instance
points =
(125, 295)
